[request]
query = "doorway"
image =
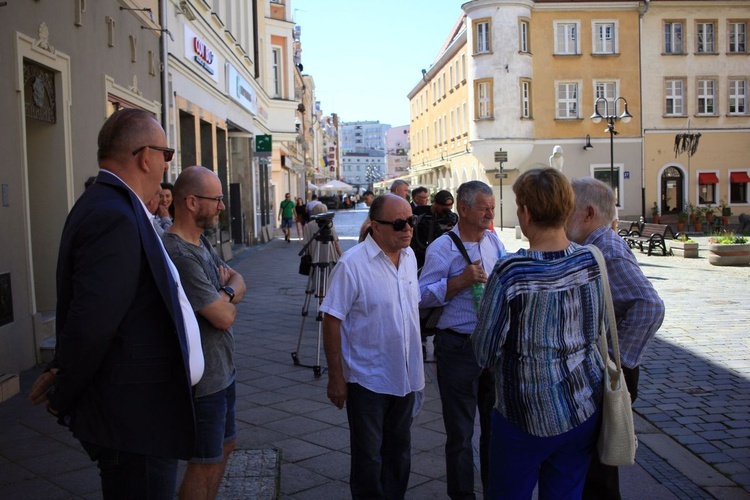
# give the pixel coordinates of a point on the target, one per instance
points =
(672, 190)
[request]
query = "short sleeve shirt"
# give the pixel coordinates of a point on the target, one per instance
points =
(198, 267)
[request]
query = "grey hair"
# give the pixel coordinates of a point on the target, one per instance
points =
(397, 183)
(467, 192)
(595, 193)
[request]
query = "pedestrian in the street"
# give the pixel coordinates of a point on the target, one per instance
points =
(540, 318)
(128, 346)
(371, 339)
(639, 311)
(286, 215)
(447, 280)
(213, 289)
(300, 217)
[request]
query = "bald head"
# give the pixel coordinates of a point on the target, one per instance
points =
(193, 180)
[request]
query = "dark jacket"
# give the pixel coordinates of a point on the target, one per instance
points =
(121, 345)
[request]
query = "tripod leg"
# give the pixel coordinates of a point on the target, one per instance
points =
(309, 291)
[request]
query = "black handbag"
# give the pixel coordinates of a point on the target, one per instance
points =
(305, 264)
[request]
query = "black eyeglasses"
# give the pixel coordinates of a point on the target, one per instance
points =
(400, 224)
(167, 152)
(217, 199)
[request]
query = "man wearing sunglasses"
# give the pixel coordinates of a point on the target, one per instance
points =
(448, 280)
(373, 349)
(128, 346)
(213, 289)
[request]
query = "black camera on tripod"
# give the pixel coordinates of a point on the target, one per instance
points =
(323, 218)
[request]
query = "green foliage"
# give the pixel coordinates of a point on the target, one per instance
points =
(727, 239)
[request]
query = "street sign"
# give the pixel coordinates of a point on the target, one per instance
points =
(263, 145)
(501, 156)
(501, 175)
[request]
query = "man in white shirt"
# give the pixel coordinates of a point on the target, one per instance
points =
(373, 348)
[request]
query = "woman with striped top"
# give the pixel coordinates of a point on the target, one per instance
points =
(539, 321)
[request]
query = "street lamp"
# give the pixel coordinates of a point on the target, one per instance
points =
(611, 119)
(372, 174)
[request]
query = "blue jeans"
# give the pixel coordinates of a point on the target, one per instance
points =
(559, 463)
(464, 386)
(128, 475)
(380, 435)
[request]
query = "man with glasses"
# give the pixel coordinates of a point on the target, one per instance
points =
(433, 221)
(128, 346)
(371, 340)
(420, 197)
(213, 289)
(447, 280)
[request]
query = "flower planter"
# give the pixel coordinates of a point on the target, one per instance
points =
(686, 249)
(733, 254)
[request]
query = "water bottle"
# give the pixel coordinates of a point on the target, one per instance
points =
(477, 290)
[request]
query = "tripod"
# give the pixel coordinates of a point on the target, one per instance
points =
(322, 253)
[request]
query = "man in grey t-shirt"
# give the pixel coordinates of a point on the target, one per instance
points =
(213, 289)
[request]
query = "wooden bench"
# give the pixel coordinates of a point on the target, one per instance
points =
(626, 227)
(653, 235)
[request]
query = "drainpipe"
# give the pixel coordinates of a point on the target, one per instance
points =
(164, 56)
(642, 13)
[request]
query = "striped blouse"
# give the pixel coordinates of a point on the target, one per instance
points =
(539, 322)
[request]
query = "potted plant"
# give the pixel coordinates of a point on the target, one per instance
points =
(692, 211)
(655, 213)
(728, 249)
(681, 220)
(698, 220)
(684, 247)
(726, 212)
(709, 211)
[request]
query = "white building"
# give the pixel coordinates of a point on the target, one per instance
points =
(398, 151)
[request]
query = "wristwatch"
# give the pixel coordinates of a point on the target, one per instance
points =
(229, 291)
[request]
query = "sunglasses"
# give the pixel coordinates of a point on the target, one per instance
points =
(167, 152)
(400, 224)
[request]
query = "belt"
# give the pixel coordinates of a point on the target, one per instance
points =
(456, 334)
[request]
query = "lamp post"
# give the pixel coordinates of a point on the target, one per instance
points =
(611, 119)
(371, 175)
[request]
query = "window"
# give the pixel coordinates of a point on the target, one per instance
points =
(525, 99)
(705, 43)
(607, 90)
(706, 97)
(276, 71)
(482, 36)
(523, 34)
(674, 93)
(450, 81)
(604, 38)
(566, 35)
(707, 188)
(567, 100)
(463, 67)
(737, 97)
(737, 37)
(738, 187)
(672, 37)
(483, 99)
(458, 79)
(605, 175)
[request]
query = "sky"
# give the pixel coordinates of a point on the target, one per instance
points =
(365, 56)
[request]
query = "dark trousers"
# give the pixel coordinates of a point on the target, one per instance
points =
(128, 475)
(464, 386)
(603, 481)
(380, 435)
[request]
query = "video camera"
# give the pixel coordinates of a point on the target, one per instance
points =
(323, 218)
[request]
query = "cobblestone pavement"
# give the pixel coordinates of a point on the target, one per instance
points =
(692, 415)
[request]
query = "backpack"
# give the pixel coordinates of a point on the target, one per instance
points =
(427, 229)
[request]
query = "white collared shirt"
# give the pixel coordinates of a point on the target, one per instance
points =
(192, 330)
(378, 305)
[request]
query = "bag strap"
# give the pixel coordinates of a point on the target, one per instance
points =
(460, 245)
(603, 349)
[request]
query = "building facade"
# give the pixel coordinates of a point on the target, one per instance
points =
(397, 148)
